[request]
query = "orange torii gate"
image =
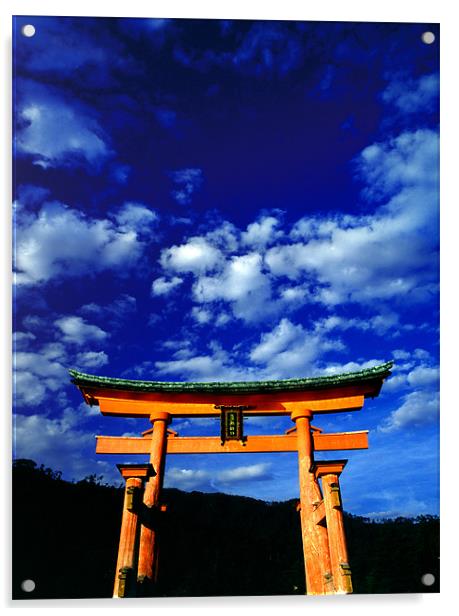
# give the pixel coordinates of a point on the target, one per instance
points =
(324, 543)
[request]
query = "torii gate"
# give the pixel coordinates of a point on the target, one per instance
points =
(324, 543)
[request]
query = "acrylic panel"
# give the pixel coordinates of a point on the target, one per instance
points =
(226, 240)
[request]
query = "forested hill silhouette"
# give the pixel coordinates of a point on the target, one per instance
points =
(65, 538)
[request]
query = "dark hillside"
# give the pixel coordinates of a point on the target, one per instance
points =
(65, 538)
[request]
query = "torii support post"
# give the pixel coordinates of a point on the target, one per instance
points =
(329, 472)
(148, 548)
(316, 553)
(126, 563)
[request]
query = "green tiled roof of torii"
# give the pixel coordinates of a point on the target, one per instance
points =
(336, 380)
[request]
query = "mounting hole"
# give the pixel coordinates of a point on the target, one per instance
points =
(28, 585)
(428, 37)
(428, 579)
(28, 30)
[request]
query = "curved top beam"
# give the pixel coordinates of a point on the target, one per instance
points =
(376, 374)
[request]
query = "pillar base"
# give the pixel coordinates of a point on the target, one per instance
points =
(145, 587)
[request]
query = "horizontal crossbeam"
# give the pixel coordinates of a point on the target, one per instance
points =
(258, 405)
(252, 444)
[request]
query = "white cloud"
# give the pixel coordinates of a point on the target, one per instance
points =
(413, 95)
(287, 351)
(262, 232)
(56, 132)
(243, 284)
(291, 351)
(43, 372)
(186, 479)
(92, 359)
(421, 354)
(59, 241)
(380, 323)
(418, 409)
(415, 368)
(222, 319)
(423, 376)
(54, 351)
(39, 365)
(115, 313)
(216, 365)
(34, 322)
(372, 260)
(409, 160)
(201, 316)
(351, 366)
(225, 237)
(276, 341)
(29, 389)
(390, 254)
(35, 375)
(21, 340)
(187, 182)
(192, 479)
(162, 286)
(401, 354)
(55, 443)
(395, 382)
(180, 220)
(297, 295)
(414, 372)
(196, 256)
(76, 330)
(136, 217)
(245, 473)
(201, 367)
(310, 227)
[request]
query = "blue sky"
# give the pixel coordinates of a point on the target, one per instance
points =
(229, 200)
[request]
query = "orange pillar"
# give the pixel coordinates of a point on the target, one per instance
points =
(148, 539)
(126, 563)
(126, 552)
(337, 538)
(315, 539)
